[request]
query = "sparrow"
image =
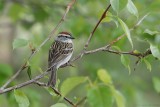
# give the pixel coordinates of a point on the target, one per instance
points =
(60, 53)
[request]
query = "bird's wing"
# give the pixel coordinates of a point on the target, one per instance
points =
(58, 51)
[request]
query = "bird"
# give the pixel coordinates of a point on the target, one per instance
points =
(60, 53)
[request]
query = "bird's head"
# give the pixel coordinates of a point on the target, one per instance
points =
(64, 37)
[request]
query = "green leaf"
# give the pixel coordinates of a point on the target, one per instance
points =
(5, 70)
(125, 61)
(115, 21)
(19, 43)
(132, 8)
(100, 97)
(71, 83)
(140, 21)
(119, 99)
(136, 52)
(122, 4)
(40, 13)
(59, 105)
(29, 72)
(149, 36)
(116, 48)
(115, 5)
(104, 76)
(108, 17)
(155, 50)
(15, 11)
(151, 32)
(51, 92)
(126, 30)
(156, 84)
(21, 98)
(147, 64)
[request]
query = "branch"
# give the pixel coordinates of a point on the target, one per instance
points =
(35, 81)
(131, 29)
(81, 101)
(3, 90)
(24, 83)
(91, 34)
(44, 42)
(83, 52)
(139, 55)
(38, 83)
(107, 47)
(66, 99)
(56, 91)
(148, 52)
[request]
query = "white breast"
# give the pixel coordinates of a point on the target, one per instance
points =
(62, 62)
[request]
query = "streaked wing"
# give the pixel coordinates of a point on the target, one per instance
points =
(58, 51)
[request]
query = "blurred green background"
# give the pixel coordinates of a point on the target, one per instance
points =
(32, 21)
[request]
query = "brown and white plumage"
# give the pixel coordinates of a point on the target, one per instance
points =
(60, 53)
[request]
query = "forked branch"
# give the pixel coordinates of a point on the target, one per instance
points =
(42, 44)
(106, 48)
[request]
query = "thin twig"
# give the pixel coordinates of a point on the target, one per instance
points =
(91, 34)
(24, 83)
(14, 76)
(81, 101)
(42, 75)
(56, 91)
(66, 99)
(34, 80)
(132, 53)
(44, 42)
(106, 48)
(40, 83)
(83, 52)
(131, 29)
(148, 52)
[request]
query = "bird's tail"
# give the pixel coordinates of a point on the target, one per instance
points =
(53, 77)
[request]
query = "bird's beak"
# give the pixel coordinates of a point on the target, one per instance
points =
(72, 37)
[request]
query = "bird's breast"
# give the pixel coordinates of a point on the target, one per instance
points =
(65, 60)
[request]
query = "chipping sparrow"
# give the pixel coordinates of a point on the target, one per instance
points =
(60, 53)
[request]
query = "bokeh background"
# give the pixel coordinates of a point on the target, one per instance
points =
(33, 20)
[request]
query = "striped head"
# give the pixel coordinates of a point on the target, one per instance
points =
(64, 37)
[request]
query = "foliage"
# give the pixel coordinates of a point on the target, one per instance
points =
(156, 83)
(100, 76)
(19, 43)
(21, 99)
(70, 83)
(59, 105)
